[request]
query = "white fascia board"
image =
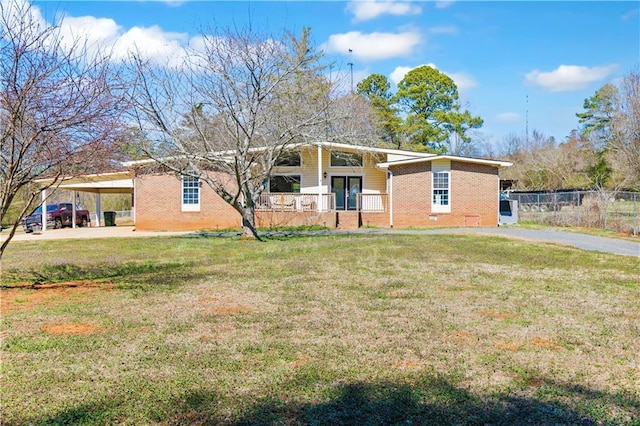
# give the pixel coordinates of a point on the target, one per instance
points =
(90, 178)
(494, 163)
(329, 145)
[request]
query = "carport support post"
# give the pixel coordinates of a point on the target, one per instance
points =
(73, 209)
(98, 209)
(43, 216)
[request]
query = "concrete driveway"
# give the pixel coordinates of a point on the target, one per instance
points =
(574, 239)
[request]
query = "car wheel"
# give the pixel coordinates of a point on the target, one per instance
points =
(57, 224)
(84, 222)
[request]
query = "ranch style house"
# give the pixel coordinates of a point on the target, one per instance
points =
(328, 184)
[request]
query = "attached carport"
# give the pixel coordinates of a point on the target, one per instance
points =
(120, 182)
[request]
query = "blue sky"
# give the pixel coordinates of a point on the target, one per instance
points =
(514, 61)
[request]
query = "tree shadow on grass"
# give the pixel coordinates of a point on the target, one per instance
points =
(128, 275)
(435, 401)
(425, 400)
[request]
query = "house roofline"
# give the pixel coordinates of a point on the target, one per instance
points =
(328, 145)
(370, 149)
(495, 163)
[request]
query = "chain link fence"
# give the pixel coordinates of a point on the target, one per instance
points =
(617, 211)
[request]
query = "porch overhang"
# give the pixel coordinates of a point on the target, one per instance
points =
(120, 182)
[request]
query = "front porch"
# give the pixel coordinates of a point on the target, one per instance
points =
(301, 209)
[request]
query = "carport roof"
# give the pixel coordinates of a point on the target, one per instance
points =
(119, 182)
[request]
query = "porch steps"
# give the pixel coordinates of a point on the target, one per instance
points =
(347, 220)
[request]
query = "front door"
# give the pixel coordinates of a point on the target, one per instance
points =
(346, 190)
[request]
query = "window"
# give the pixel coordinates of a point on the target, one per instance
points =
(284, 183)
(190, 194)
(289, 159)
(345, 159)
(441, 188)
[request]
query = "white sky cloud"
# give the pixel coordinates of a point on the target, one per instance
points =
(398, 74)
(508, 117)
(97, 32)
(154, 43)
(364, 10)
(373, 46)
(462, 80)
(567, 78)
(105, 34)
(12, 9)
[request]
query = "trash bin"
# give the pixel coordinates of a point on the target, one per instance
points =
(109, 218)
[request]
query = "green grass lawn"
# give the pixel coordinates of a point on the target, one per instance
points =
(369, 330)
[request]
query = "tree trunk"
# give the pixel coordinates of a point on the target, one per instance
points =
(249, 224)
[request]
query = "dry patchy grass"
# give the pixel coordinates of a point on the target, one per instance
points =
(325, 330)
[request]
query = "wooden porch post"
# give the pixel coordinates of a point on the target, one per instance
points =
(320, 186)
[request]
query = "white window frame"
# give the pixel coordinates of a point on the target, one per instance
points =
(190, 206)
(440, 167)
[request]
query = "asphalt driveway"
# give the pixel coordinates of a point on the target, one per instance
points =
(575, 239)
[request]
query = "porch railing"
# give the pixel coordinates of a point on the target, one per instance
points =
(372, 202)
(295, 202)
(298, 202)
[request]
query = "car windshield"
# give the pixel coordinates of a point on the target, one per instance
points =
(50, 208)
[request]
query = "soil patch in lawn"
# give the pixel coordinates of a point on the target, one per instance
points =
(73, 328)
(503, 315)
(27, 297)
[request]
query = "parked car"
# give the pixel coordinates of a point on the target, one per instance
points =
(58, 215)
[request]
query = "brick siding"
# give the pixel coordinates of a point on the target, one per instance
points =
(158, 199)
(474, 201)
(474, 196)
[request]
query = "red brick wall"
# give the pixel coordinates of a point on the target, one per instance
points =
(474, 202)
(272, 219)
(474, 196)
(379, 219)
(475, 190)
(158, 199)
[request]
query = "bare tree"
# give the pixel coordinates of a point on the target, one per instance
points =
(235, 106)
(625, 147)
(58, 112)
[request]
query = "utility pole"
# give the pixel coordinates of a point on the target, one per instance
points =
(351, 69)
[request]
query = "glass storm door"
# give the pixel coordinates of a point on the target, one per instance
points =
(338, 187)
(346, 190)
